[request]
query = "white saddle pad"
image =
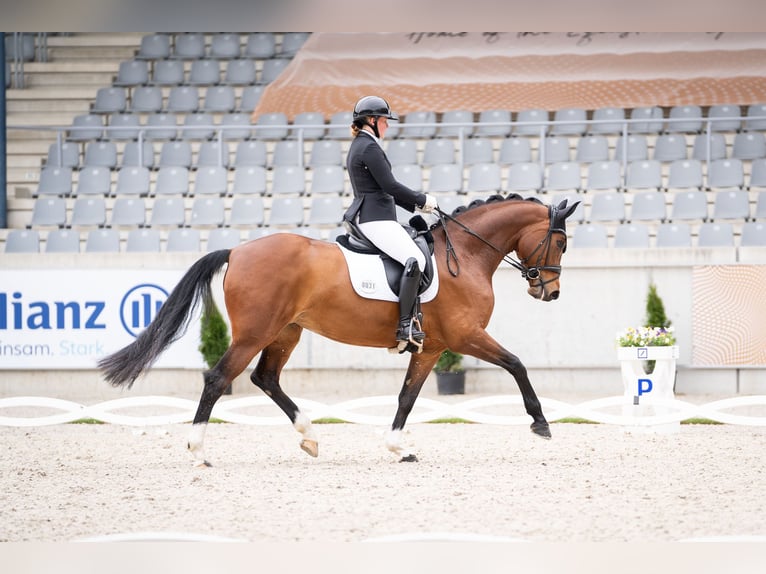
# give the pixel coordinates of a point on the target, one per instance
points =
(368, 277)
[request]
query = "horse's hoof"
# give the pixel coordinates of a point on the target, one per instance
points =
(310, 447)
(409, 458)
(202, 464)
(541, 429)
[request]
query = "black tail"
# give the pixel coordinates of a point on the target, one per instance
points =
(171, 322)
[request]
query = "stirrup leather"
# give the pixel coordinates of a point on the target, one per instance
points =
(414, 336)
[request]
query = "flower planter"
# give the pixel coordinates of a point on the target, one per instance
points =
(450, 383)
(643, 391)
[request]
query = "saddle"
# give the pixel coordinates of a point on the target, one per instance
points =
(355, 241)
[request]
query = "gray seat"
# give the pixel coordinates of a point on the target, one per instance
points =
(175, 153)
(685, 119)
(608, 120)
(556, 149)
(637, 148)
(250, 153)
(450, 127)
(563, 176)
(438, 151)
(514, 150)
(753, 234)
(109, 99)
(646, 120)
(676, 234)
(168, 73)
(448, 203)
(291, 43)
(225, 46)
(670, 147)
(164, 127)
(132, 180)
(331, 179)
(287, 152)
(527, 122)
(204, 72)
(338, 128)
(128, 212)
(183, 240)
(326, 152)
(648, 206)
(154, 47)
(249, 98)
(592, 148)
(22, 241)
(756, 117)
(410, 174)
(689, 205)
(206, 212)
(579, 213)
(408, 129)
(246, 211)
(313, 125)
(607, 206)
(143, 241)
(715, 234)
(168, 211)
(271, 69)
(260, 45)
(524, 176)
(65, 154)
(644, 174)
(484, 177)
(271, 126)
(631, 236)
(288, 179)
(223, 238)
(101, 153)
(590, 235)
(88, 212)
(172, 180)
(62, 241)
(249, 180)
(286, 211)
(240, 72)
(102, 241)
(237, 126)
(760, 206)
(685, 174)
(211, 180)
(477, 150)
(501, 120)
(402, 151)
(757, 174)
(726, 117)
(213, 153)
(94, 180)
(132, 157)
(326, 210)
(132, 73)
(219, 99)
(183, 99)
(445, 178)
(146, 99)
(189, 46)
(573, 121)
(198, 126)
(54, 181)
(725, 173)
(749, 145)
(604, 175)
(123, 126)
(717, 146)
(731, 204)
(87, 127)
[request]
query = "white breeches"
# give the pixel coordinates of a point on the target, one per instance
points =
(391, 238)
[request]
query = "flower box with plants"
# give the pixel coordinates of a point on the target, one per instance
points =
(655, 340)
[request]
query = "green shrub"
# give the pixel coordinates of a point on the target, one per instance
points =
(214, 335)
(449, 362)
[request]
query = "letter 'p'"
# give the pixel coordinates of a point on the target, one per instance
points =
(644, 386)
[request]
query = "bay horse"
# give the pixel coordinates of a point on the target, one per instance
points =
(277, 286)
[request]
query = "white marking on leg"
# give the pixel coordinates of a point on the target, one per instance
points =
(196, 438)
(394, 443)
(309, 441)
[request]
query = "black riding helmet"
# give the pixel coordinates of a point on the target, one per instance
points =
(372, 107)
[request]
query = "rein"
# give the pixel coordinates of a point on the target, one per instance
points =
(527, 272)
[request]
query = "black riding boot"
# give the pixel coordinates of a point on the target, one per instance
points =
(409, 335)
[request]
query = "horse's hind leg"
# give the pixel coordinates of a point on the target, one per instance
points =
(266, 377)
(217, 380)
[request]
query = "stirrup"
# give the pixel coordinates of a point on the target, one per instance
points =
(415, 336)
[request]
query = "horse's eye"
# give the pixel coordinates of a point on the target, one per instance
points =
(562, 245)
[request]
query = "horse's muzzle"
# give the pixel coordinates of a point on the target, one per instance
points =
(539, 292)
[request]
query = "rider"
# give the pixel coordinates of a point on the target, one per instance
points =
(376, 195)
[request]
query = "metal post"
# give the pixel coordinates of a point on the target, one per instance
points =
(3, 139)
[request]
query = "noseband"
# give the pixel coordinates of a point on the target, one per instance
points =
(527, 272)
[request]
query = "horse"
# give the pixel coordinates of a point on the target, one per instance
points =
(278, 285)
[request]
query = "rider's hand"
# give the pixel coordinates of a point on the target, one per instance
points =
(430, 204)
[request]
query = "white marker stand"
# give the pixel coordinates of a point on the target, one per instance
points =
(643, 391)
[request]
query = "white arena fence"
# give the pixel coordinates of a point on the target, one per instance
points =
(352, 411)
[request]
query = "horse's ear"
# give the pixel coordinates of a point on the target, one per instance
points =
(569, 210)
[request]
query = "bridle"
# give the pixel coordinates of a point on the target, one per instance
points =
(527, 272)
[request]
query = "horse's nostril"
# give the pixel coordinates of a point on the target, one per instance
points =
(555, 295)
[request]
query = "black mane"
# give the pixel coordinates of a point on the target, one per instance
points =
(492, 199)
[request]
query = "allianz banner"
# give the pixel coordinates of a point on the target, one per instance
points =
(69, 319)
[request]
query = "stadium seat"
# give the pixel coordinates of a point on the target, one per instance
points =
(756, 117)
(753, 234)
(726, 117)
(590, 235)
(514, 150)
(402, 151)
(102, 241)
(291, 43)
(287, 152)
(556, 149)
(22, 241)
(212, 153)
(206, 212)
(757, 178)
(175, 153)
(62, 241)
(438, 151)
(128, 212)
(592, 148)
(314, 126)
(163, 127)
(146, 99)
(445, 178)
(168, 73)
(225, 46)
(236, 126)
(204, 72)
(94, 180)
(168, 211)
(484, 177)
(63, 154)
(607, 120)
(172, 180)
(685, 174)
(271, 69)
(717, 146)
(183, 240)
(154, 47)
(689, 205)
(246, 212)
(123, 126)
(109, 99)
(564, 176)
(211, 180)
(271, 126)
(646, 120)
(604, 175)
(54, 181)
(607, 206)
(87, 127)
(524, 176)
(132, 180)
(250, 153)
(449, 126)
(241, 72)
(674, 235)
(130, 154)
(198, 126)
(339, 126)
(326, 210)
(631, 235)
(219, 99)
(644, 174)
(637, 148)
(410, 174)
(101, 153)
(573, 121)
(670, 147)
(143, 241)
(331, 179)
(685, 119)
(88, 212)
(418, 117)
(725, 173)
(648, 206)
(502, 119)
(183, 99)
(249, 180)
(477, 150)
(288, 179)
(189, 46)
(731, 204)
(715, 234)
(249, 98)
(326, 152)
(760, 206)
(260, 45)
(749, 145)
(286, 211)
(132, 73)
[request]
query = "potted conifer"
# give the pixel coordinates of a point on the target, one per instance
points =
(450, 375)
(214, 337)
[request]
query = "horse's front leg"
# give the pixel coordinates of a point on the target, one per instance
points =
(418, 370)
(484, 347)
